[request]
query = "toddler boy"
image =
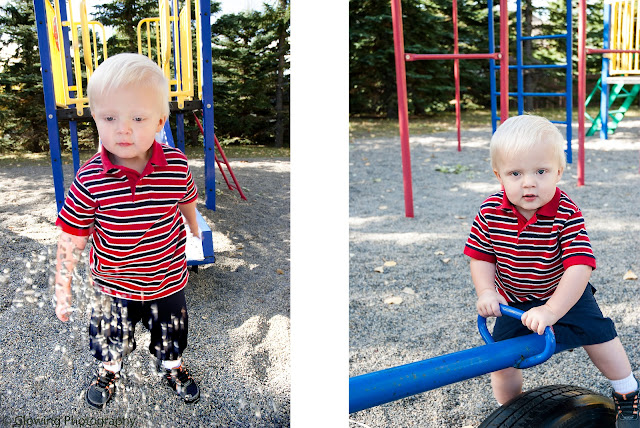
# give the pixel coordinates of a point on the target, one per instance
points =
(529, 249)
(129, 198)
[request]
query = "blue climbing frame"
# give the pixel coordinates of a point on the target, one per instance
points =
(53, 114)
(520, 67)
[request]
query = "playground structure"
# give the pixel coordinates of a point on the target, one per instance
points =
(372, 389)
(60, 39)
(623, 31)
(620, 66)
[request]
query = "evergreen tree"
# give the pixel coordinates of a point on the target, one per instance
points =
(246, 52)
(280, 18)
(428, 29)
(123, 17)
(21, 94)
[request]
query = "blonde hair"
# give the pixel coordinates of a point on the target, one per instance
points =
(127, 69)
(524, 133)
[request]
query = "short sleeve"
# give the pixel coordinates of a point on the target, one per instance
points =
(479, 244)
(78, 212)
(191, 194)
(575, 245)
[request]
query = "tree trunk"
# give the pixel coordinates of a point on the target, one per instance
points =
(279, 137)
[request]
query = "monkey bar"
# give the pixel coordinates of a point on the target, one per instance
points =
(401, 81)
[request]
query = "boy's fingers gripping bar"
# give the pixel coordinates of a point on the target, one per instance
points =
(550, 338)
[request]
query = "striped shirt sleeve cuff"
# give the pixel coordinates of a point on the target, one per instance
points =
(475, 254)
(579, 260)
(66, 227)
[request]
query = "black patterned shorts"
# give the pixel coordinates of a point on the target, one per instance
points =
(113, 321)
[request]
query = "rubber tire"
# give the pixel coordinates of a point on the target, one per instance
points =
(554, 406)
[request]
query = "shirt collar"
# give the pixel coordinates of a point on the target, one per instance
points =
(157, 159)
(548, 210)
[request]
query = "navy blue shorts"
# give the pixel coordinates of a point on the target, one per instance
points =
(113, 321)
(584, 324)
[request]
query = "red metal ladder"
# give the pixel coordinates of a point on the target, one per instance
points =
(235, 185)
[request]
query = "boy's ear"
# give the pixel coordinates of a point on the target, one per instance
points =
(161, 123)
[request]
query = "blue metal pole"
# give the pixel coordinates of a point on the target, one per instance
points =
(168, 134)
(569, 81)
(49, 102)
(604, 87)
(207, 106)
(180, 131)
(392, 384)
(519, 57)
(75, 151)
(492, 70)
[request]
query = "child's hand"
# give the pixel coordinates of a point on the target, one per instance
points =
(63, 303)
(196, 233)
(539, 318)
(488, 303)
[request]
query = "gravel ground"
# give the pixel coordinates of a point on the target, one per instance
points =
(437, 313)
(239, 315)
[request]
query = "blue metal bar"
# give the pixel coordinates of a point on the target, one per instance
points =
(550, 66)
(536, 66)
(550, 338)
(520, 67)
(207, 106)
(180, 131)
(49, 102)
(73, 133)
(373, 389)
(519, 61)
(568, 80)
(392, 384)
(492, 70)
(168, 135)
(514, 67)
(604, 87)
(545, 94)
(551, 36)
(540, 94)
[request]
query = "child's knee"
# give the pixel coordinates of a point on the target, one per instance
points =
(506, 384)
(510, 373)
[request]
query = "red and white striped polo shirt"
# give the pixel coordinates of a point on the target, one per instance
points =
(139, 239)
(530, 255)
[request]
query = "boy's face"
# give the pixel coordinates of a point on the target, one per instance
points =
(529, 178)
(127, 120)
